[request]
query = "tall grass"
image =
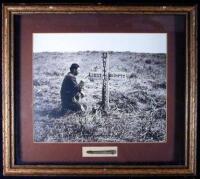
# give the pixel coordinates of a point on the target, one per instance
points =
(137, 105)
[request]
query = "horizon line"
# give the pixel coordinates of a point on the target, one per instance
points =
(98, 51)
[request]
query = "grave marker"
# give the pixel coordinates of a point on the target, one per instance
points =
(106, 76)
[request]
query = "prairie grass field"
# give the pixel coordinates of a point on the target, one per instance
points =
(137, 104)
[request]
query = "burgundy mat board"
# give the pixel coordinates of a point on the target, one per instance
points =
(93, 23)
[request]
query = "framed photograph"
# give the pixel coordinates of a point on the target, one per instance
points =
(99, 89)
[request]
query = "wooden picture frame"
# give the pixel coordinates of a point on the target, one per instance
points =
(185, 105)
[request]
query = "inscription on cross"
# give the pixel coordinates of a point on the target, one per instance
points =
(105, 76)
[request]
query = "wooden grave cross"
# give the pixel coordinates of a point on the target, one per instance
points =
(106, 76)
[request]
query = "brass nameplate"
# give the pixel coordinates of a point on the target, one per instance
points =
(99, 151)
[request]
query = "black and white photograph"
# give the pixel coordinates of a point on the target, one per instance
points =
(100, 87)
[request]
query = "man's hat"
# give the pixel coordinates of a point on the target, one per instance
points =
(74, 66)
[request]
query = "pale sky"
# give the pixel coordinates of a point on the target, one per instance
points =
(73, 42)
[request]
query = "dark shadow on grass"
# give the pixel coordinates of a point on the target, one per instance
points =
(54, 113)
(57, 112)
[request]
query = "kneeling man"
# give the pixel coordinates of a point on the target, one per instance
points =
(71, 90)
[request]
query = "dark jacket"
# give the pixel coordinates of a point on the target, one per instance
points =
(70, 88)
